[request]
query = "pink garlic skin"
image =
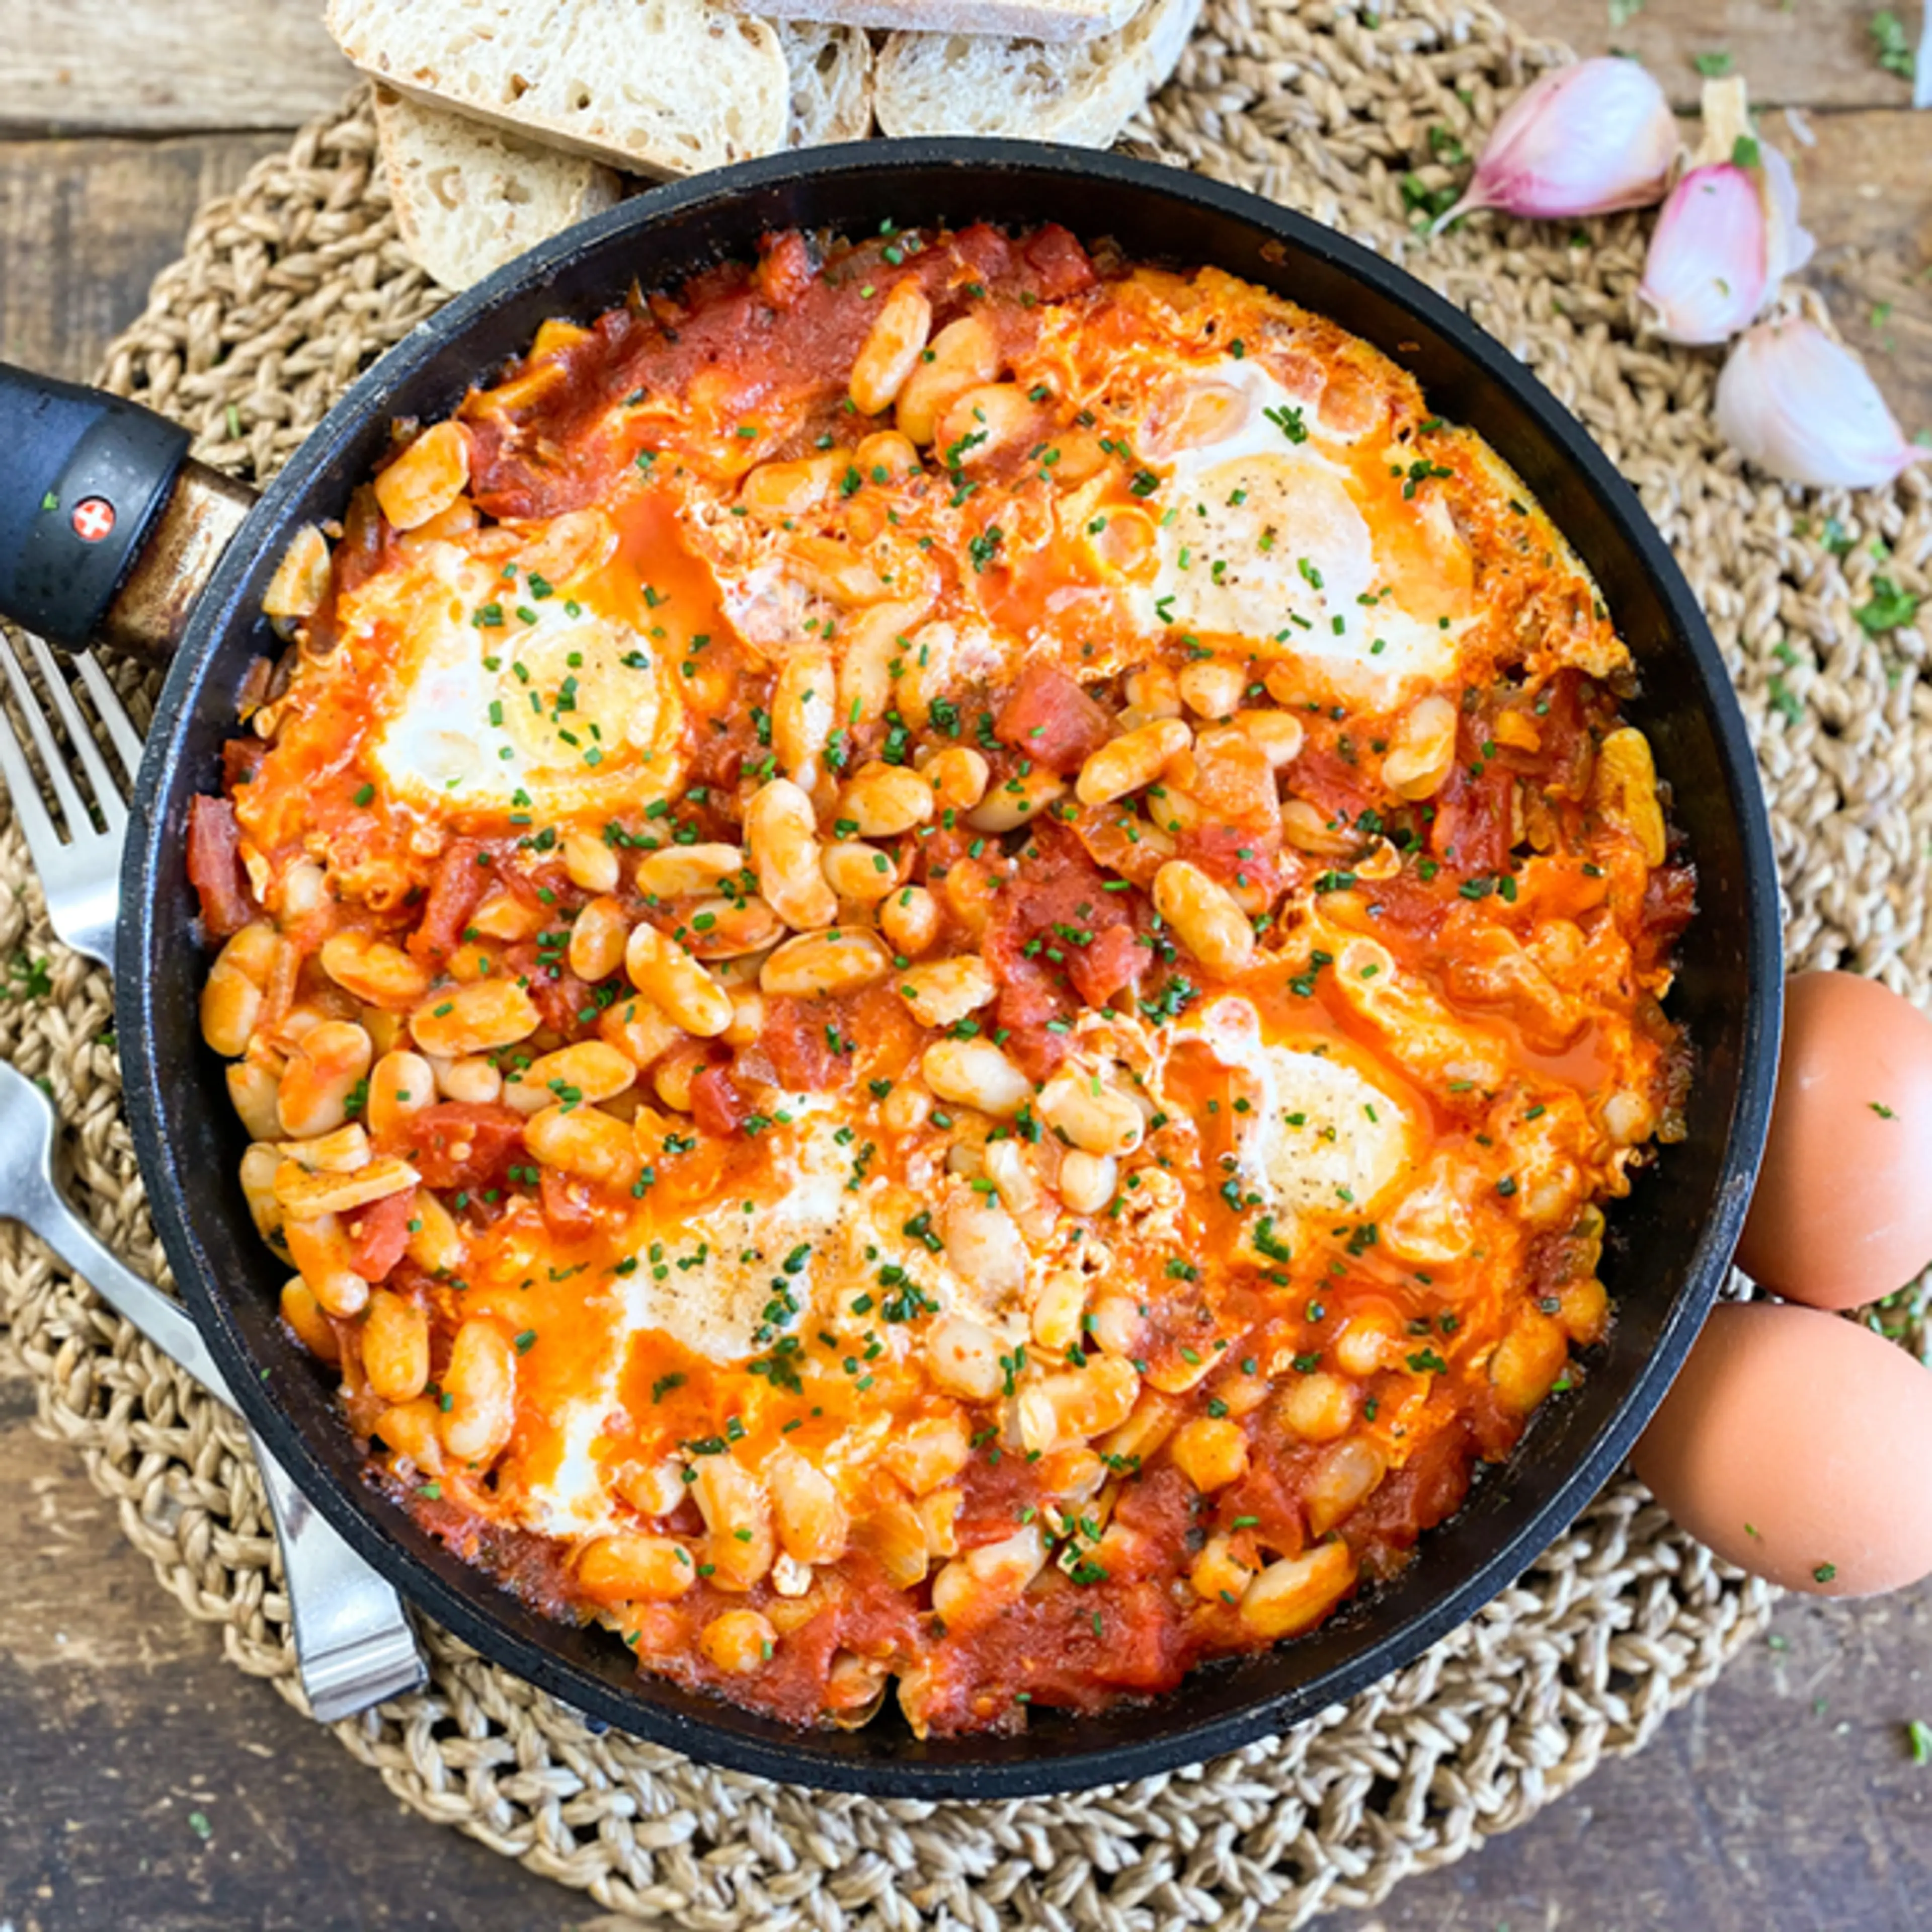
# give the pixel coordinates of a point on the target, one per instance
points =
(1586, 139)
(1707, 271)
(1802, 406)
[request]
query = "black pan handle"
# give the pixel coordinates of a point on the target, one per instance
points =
(86, 479)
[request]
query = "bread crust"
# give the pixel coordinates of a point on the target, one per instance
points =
(1083, 95)
(470, 197)
(661, 87)
(1057, 22)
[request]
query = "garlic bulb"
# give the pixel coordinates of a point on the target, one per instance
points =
(1582, 140)
(1802, 406)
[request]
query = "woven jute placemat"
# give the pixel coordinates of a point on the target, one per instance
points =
(292, 285)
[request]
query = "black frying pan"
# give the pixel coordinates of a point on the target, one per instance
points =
(1671, 1240)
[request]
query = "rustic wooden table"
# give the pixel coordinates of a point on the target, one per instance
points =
(145, 1784)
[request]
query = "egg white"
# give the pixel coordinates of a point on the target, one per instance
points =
(1266, 544)
(705, 1284)
(561, 711)
(1322, 1139)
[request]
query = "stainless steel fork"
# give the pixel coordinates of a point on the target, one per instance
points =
(354, 1644)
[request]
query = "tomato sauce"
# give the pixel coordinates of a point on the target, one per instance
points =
(846, 1194)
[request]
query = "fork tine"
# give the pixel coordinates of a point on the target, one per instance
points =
(113, 714)
(79, 825)
(43, 843)
(80, 734)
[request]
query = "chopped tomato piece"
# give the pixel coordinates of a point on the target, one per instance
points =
(1233, 856)
(1060, 266)
(785, 271)
(379, 1233)
(1470, 830)
(716, 1105)
(1669, 904)
(463, 876)
(794, 1040)
(242, 758)
(1059, 936)
(1032, 1013)
(461, 1143)
(1115, 961)
(1141, 1646)
(555, 991)
(1049, 719)
(569, 1207)
(215, 867)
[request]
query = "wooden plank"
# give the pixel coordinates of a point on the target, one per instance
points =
(1783, 1799)
(85, 226)
(175, 66)
(167, 66)
(147, 1784)
(1866, 193)
(1789, 53)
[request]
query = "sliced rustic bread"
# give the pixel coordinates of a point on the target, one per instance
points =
(831, 70)
(1083, 95)
(470, 197)
(1052, 20)
(663, 86)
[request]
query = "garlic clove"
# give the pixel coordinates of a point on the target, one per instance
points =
(1801, 405)
(1708, 271)
(1727, 136)
(1585, 140)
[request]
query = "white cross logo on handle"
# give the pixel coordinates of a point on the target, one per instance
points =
(93, 519)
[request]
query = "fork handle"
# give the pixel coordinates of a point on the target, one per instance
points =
(87, 475)
(355, 1645)
(164, 1323)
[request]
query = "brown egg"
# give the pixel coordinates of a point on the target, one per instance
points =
(1843, 1213)
(1794, 1444)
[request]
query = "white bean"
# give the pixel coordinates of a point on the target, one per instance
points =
(964, 1356)
(825, 962)
(881, 801)
(891, 350)
(1017, 801)
(1206, 915)
(681, 988)
(782, 831)
(1087, 1181)
(1134, 759)
(975, 1073)
(1092, 1116)
(942, 994)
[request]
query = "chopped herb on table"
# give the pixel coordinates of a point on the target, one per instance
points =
(1888, 608)
(1893, 48)
(29, 979)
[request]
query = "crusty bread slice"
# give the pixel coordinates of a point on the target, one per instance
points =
(664, 86)
(1082, 94)
(1055, 21)
(831, 70)
(470, 197)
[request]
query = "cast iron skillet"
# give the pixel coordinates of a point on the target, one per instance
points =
(1672, 1240)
